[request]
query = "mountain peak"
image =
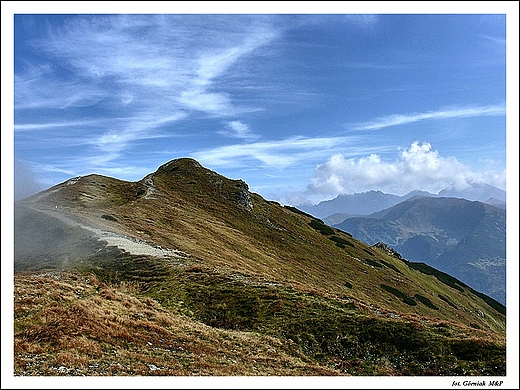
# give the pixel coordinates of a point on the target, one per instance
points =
(188, 176)
(175, 164)
(477, 191)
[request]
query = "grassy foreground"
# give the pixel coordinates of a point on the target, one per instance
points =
(198, 321)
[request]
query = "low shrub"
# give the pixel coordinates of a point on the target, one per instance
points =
(109, 217)
(426, 301)
(341, 242)
(391, 266)
(447, 301)
(316, 224)
(373, 263)
(406, 299)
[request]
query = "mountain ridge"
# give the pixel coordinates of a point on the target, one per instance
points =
(366, 203)
(193, 243)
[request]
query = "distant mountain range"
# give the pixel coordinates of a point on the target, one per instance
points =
(463, 238)
(344, 206)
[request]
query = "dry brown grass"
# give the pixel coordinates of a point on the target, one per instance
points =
(105, 331)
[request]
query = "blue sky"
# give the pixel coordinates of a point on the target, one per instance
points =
(302, 106)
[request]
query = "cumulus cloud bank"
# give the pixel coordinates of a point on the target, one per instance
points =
(417, 167)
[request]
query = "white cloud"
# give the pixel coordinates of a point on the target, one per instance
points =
(275, 154)
(394, 120)
(499, 41)
(201, 100)
(178, 57)
(362, 20)
(45, 90)
(45, 126)
(417, 167)
(131, 130)
(237, 129)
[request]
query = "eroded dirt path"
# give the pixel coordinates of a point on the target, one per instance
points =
(127, 243)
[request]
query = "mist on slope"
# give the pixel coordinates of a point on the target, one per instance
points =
(25, 181)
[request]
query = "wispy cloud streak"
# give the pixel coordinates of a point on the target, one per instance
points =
(45, 126)
(238, 129)
(146, 70)
(395, 120)
(151, 52)
(277, 154)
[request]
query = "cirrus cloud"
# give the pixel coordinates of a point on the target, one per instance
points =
(238, 129)
(395, 120)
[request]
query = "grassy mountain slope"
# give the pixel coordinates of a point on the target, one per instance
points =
(224, 282)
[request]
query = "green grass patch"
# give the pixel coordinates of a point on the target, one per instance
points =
(112, 266)
(441, 276)
(326, 331)
(490, 301)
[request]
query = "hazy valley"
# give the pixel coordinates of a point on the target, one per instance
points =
(466, 239)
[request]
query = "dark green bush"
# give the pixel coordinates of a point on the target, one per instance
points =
(341, 242)
(392, 290)
(406, 299)
(298, 211)
(390, 266)
(426, 301)
(109, 217)
(373, 263)
(316, 224)
(447, 301)
(367, 251)
(410, 301)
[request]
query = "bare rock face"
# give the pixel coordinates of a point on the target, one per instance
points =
(244, 196)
